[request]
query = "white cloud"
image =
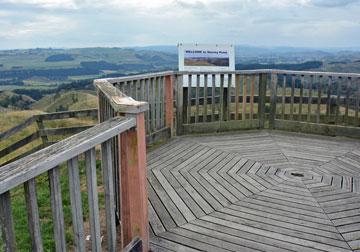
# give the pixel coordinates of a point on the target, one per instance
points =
(131, 22)
(39, 26)
(67, 4)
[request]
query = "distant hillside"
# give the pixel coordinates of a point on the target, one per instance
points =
(9, 99)
(59, 57)
(309, 65)
(71, 100)
(38, 67)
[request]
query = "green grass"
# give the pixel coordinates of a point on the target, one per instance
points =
(72, 100)
(43, 195)
(10, 119)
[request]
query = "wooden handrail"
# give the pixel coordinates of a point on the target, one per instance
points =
(118, 100)
(37, 163)
(151, 88)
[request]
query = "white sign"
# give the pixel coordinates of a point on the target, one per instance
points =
(206, 58)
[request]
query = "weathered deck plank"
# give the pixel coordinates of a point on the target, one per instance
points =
(236, 192)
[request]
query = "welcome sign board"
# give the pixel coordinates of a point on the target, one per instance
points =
(206, 58)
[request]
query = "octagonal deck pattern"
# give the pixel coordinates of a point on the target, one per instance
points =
(237, 192)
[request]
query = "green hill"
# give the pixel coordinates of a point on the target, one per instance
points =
(71, 100)
(11, 100)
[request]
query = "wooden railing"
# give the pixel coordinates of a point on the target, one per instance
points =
(193, 102)
(179, 103)
(127, 128)
(157, 90)
(41, 132)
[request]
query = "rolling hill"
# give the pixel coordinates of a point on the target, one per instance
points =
(71, 100)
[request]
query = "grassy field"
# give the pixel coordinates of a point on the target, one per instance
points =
(9, 119)
(72, 100)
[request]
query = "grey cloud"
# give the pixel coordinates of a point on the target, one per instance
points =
(333, 3)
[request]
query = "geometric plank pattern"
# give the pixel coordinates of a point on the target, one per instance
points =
(255, 191)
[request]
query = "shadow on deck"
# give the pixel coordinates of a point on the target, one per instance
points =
(255, 190)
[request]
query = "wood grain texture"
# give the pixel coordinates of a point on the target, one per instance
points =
(76, 204)
(20, 171)
(57, 209)
(6, 223)
(33, 215)
(216, 193)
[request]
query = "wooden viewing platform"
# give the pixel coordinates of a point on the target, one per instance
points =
(260, 186)
(255, 191)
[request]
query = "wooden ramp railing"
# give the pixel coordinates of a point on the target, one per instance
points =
(128, 128)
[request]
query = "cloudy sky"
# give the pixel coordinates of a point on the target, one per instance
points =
(86, 23)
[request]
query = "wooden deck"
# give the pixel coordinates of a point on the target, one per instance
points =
(238, 192)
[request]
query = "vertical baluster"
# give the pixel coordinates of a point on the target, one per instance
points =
(129, 88)
(91, 181)
(252, 93)
(153, 102)
(105, 109)
(179, 103)
(100, 106)
(109, 194)
(141, 90)
(338, 91)
(310, 97)
(188, 117)
(158, 102)
(245, 83)
(6, 222)
(221, 104)
(213, 79)
(319, 100)
(229, 92)
(122, 87)
(197, 98)
(136, 95)
(168, 113)
(273, 98)
(162, 100)
(328, 100)
(205, 98)
(237, 95)
(76, 206)
(147, 114)
(262, 98)
(356, 117)
(283, 97)
(347, 100)
(57, 209)
(33, 215)
(302, 81)
(293, 77)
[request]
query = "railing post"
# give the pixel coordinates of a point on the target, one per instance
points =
(273, 97)
(262, 98)
(134, 184)
(132, 167)
(169, 103)
(41, 128)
